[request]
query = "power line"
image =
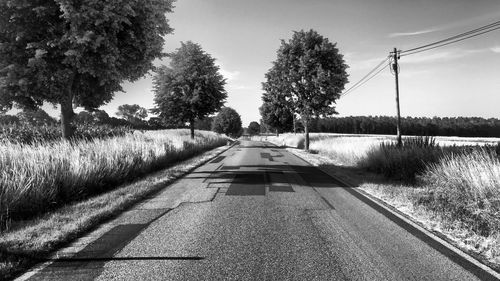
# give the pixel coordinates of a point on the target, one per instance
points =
(448, 43)
(459, 37)
(444, 42)
(364, 79)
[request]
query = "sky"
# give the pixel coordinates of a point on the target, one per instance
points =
(243, 36)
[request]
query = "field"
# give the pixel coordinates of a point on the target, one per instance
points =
(46, 175)
(449, 184)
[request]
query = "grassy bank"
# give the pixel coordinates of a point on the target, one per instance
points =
(465, 187)
(43, 176)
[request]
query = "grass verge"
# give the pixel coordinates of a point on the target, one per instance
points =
(27, 241)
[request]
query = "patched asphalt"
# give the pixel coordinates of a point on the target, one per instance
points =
(257, 212)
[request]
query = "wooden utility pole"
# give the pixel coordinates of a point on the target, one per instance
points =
(395, 67)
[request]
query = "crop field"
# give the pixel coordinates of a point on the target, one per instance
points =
(45, 175)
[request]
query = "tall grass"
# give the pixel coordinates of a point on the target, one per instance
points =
(403, 162)
(346, 151)
(38, 177)
(465, 187)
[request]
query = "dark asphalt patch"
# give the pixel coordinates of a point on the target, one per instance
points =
(250, 183)
(218, 159)
(267, 156)
(278, 182)
(230, 168)
(316, 178)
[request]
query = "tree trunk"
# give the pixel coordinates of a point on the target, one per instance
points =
(191, 126)
(277, 133)
(294, 125)
(306, 132)
(67, 114)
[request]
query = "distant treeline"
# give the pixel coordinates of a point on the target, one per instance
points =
(436, 126)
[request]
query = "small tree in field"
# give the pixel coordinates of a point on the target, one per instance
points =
(309, 75)
(76, 53)
(253, 128)
(227, 122)
(133, 113)
(191, 88)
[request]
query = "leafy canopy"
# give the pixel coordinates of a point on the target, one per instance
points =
(253, 128)
(52, 50)
(308, 75)
(190, 88)
(227, 122)
(132, 112)
(276, 117)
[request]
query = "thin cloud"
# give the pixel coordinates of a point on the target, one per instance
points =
(363, 64)
(238, 87)
(495, 49)
(441, 56)
(420, 32)
(469, 23)
(229, 75)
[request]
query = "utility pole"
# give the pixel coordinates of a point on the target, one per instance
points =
(395, 67)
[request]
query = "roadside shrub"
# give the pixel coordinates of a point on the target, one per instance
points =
(465, 187)
(405, 162)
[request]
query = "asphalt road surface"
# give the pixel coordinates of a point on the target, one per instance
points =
(257, 212)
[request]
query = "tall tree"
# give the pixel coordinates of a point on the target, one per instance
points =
(277, 113)
(133, 113)
(276, 117)
(309, 74)
(191, 88)
(227, 122)
(253, 128)
(76, 53)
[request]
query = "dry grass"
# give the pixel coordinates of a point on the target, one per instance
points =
(40, 177)
(465, 187)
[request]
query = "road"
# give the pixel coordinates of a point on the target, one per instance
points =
(257, 212)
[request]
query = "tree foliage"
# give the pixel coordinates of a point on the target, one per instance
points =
(204, 124)
(253, 128)
(307, 77)
(133, 113)
(436, 126)
(190, 88)
(36, 117)
(76, 53)
(227, 122)
(275, 116)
